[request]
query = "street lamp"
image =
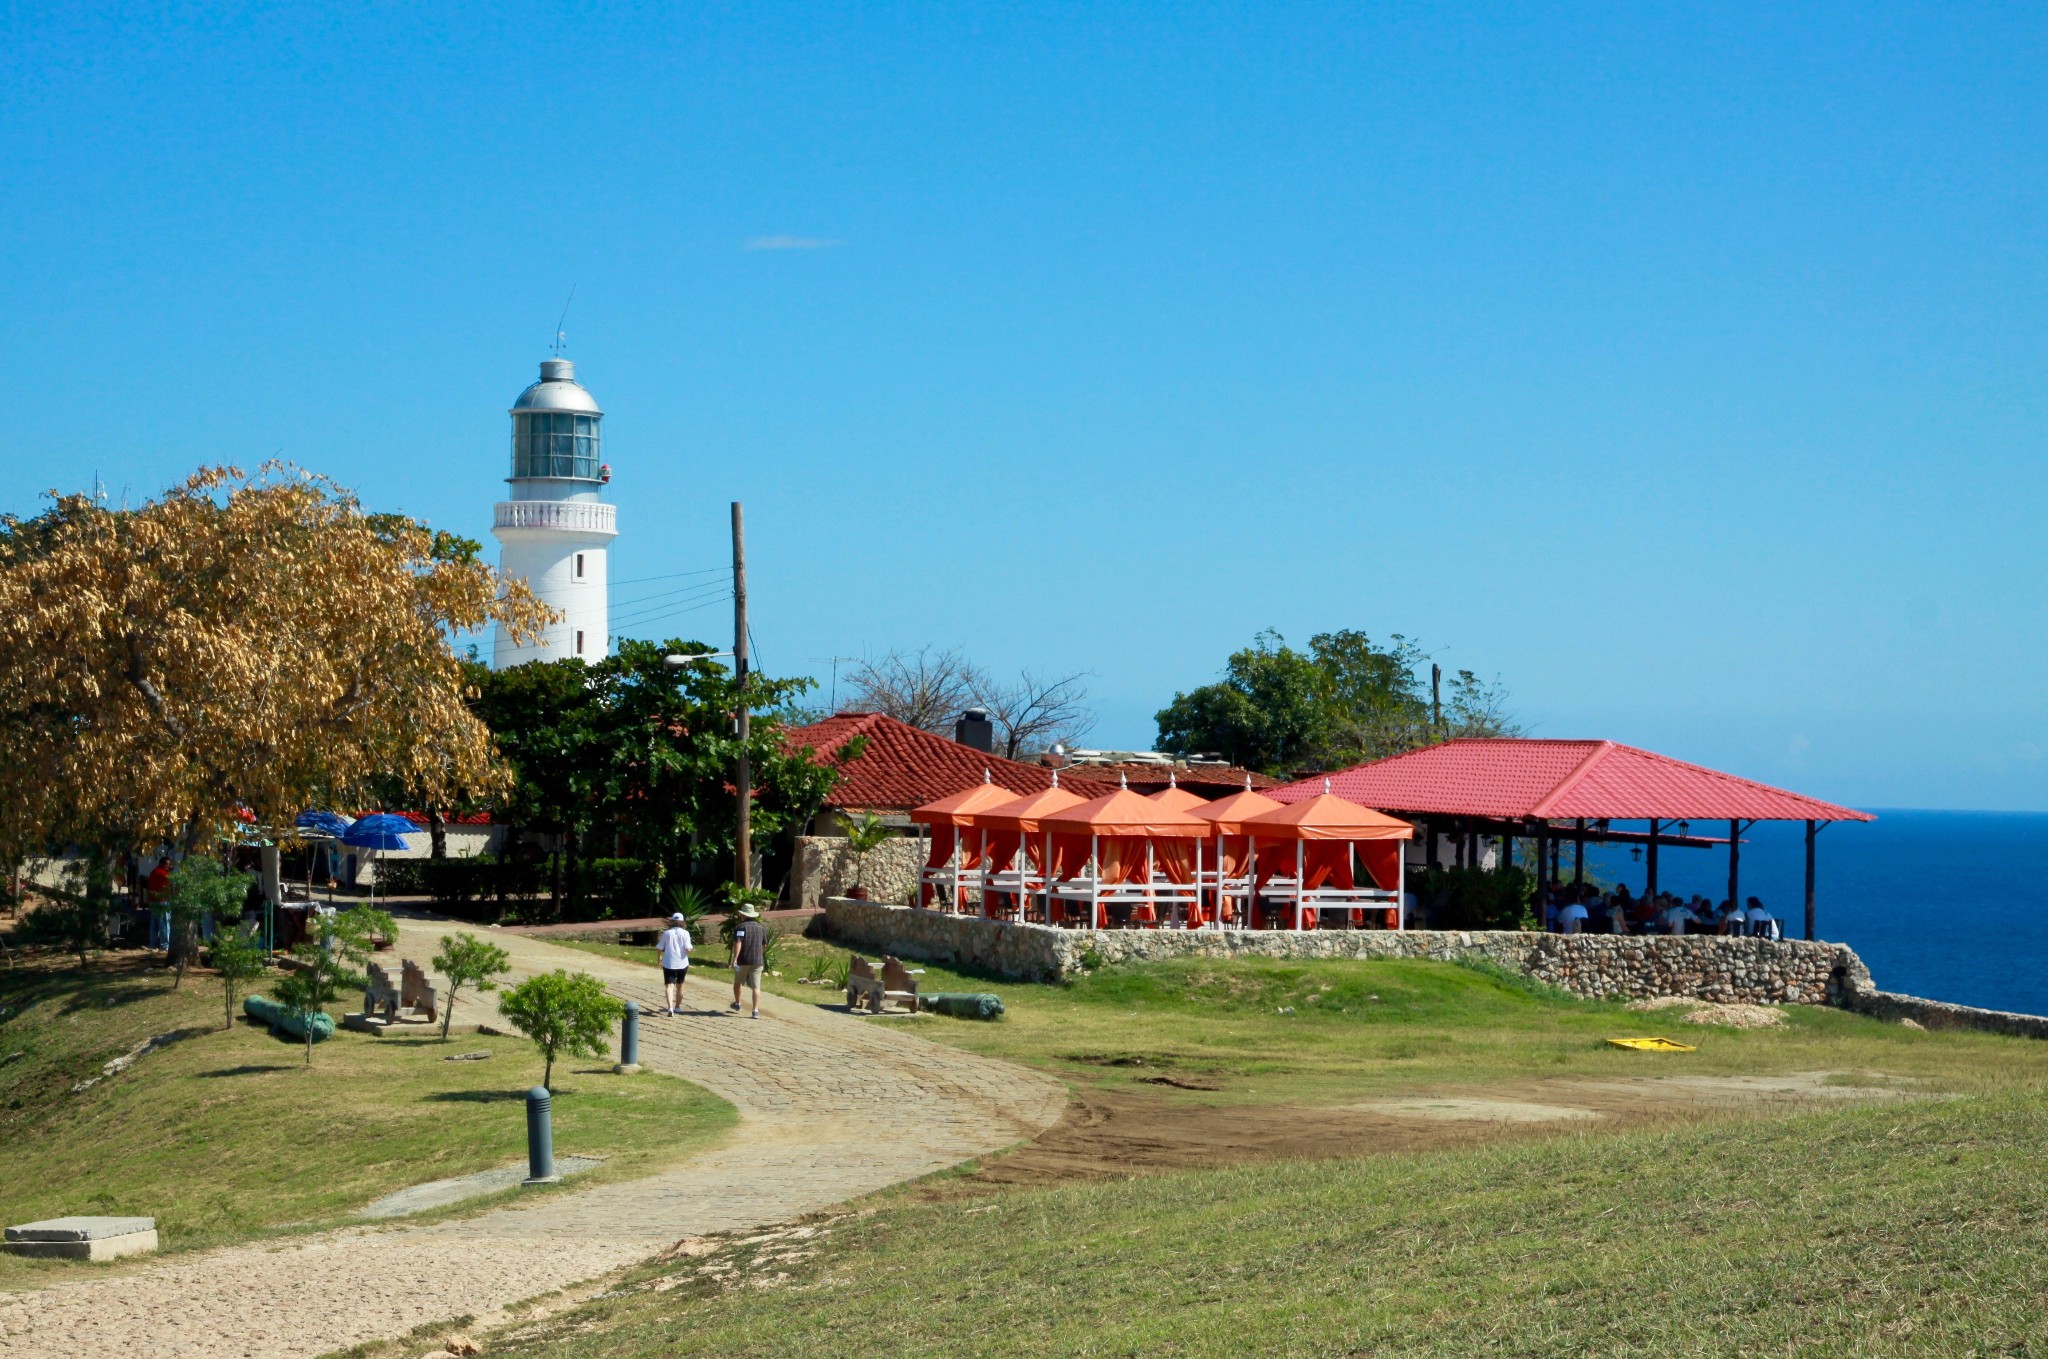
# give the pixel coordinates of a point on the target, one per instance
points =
(676, 661)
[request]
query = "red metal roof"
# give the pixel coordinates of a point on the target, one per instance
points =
(904, 767)
(1518, 778)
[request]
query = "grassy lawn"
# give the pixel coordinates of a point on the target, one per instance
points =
(1912, 1229)
(227, 1135)
(1321, 1032)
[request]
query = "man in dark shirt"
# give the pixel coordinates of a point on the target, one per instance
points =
(749, 944)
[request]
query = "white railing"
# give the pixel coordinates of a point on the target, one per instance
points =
(581, 516)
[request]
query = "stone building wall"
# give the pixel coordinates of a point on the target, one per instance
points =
(1704, 967)
(824, 868)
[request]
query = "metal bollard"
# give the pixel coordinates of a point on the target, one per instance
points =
(629, 1040)
(540, 1137)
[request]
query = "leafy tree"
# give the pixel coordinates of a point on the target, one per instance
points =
(468, 961)
(257, 642)
(545, 718)
(562, 1012)
(201, 886)
(336, 962)
(1346, 700)
(238, 958)
(667, 738)
(1271, 711)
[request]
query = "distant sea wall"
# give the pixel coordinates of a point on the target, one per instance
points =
(1597, 966)
(1939, 1014)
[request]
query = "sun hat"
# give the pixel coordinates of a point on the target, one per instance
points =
(749, 912)
(677, 919)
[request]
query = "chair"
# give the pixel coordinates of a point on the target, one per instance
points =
(380, 994)
(863, 987)
(416, 993)
(897, 983)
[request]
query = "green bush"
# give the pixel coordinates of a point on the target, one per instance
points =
(1478, 899)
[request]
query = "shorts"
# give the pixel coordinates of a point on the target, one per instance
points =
(675, 976)
(742, 975)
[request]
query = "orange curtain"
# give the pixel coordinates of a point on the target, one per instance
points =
(1002, 850)
(1327, 863)
(942, 846)
(1069, 855)
(1233, 852)
(1382, 861)
(1175, 859)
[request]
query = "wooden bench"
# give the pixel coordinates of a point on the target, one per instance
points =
(866, 990)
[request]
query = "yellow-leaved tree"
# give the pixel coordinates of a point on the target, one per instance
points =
(242, 642)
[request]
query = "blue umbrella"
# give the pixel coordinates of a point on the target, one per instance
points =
(323, 823)
(379, 830)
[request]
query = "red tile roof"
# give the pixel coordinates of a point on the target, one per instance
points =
(904, 767)
(1516, 778)
(1205, 780)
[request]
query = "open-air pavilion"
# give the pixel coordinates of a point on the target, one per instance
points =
(959, 844)
(1557, 793)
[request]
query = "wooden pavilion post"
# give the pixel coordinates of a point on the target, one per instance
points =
(1579, 855)
(1735, 864)
(1651, 890)
(1812, 829)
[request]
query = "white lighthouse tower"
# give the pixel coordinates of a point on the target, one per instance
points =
(554, 530)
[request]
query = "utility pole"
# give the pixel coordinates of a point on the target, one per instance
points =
(1436, 699)
(743, 857)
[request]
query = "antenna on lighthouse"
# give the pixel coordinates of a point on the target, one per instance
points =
(561, 335)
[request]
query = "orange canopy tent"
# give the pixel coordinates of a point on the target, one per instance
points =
(948, 817)
(1329, 834)
(1177, 797)
(1128, 836)
(1233, 842)
(1012, 826)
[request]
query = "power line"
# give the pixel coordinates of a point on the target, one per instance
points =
(675, 575)
(684, 592)
(668, 610)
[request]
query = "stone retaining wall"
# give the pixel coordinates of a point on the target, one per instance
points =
(824, 867)
(1894, 1008)
(1703, 967)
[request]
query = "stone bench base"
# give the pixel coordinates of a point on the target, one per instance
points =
(83, 1238)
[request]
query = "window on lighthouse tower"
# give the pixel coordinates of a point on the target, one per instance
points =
(579, 566)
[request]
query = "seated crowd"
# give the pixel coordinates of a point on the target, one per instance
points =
(1585, 909)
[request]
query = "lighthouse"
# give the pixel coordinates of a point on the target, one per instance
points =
(554, 531)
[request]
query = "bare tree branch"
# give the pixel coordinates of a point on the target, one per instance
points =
(1032, 712)
(926, 688)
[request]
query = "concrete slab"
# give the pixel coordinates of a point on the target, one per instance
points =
(441, 1193)
(83, 1238)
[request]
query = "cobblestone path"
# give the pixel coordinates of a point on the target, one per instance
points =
(831, 1107)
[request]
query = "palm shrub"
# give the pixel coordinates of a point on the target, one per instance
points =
(863, 837)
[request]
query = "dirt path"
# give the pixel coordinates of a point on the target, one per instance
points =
(831, 1107)
(1110, 1133)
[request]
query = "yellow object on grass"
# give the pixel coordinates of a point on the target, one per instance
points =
(1652, 1045)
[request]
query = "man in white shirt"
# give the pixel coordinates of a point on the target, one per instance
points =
(674, 947)
(1761, 923)
(1677, 917)
(1572, 919)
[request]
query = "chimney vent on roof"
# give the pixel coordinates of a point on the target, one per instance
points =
(975, 731)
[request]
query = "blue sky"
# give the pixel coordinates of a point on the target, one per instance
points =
(1681, 366)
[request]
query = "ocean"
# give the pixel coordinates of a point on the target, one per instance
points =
(1947, 905)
